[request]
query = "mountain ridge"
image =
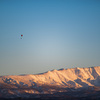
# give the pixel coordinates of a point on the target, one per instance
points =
(51, 81)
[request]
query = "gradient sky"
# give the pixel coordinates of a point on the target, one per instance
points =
(56, 34)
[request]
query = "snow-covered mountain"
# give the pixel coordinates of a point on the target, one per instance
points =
(50, 82)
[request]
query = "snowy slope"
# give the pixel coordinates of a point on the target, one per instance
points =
(50, 82)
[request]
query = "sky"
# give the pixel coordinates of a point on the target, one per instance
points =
(56, 34)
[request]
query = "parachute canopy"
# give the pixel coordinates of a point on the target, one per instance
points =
(21, 36)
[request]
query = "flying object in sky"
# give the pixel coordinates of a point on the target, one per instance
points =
(21, 36)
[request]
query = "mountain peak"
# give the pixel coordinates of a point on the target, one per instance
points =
(55, 80)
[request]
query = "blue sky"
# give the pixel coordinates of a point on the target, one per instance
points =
(56, 34)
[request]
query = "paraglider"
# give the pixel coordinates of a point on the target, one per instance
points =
(21, 36)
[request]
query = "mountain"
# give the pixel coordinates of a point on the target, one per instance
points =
(52, 82)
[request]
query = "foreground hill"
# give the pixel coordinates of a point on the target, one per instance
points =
(51, 82)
